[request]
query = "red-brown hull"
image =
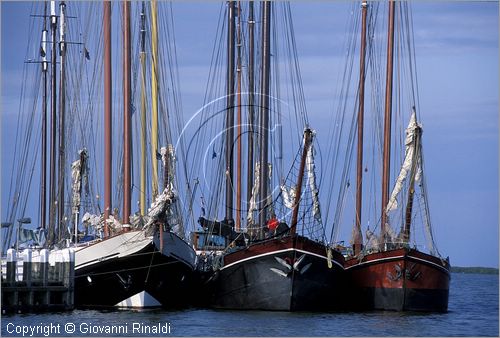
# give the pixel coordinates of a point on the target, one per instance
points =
(400, 279)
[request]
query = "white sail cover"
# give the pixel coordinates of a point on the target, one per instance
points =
(311, 175)
(410, 150)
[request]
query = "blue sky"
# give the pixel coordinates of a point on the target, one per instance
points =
(457, 60)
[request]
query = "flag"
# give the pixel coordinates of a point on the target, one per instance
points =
(87, 54)
(214, 154)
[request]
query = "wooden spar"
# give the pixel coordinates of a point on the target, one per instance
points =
(43, 180)
(251, 102)
(127, 130)
(230, 111)
(239, 136)
(107, 114)
(53, 127)
(358, 237)
(62, 120)
(154, 100)
(142, 199)
(298, 188)
(264, 111)
(411, 192)
(387, 120)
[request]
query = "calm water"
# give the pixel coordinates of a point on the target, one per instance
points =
(473, 311)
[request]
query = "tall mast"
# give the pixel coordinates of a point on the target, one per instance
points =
(239, 164)
(358, 238)
(264, 111)
(143, 188)
(230, 111)
(43, 182)
(387, 119)
(154, 99)
(53, 126)
(107, 114)
(298, 188)
(127, 130)
(251, 100)
(62, 116)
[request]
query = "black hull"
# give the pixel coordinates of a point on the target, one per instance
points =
(166, 281)
(263, 283)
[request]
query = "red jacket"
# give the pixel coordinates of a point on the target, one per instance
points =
(272, 224)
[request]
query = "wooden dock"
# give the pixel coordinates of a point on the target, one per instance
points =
(37, 280)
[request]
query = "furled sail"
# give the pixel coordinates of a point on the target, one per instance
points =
(372, 242)
(288, 195)
(168, 160)
(79, 171)
(159, 206)
(311, 175)
(409, 162)
(171, 210)
(94, 221)
(255, 191)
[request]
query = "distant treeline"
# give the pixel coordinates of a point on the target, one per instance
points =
(475, 269)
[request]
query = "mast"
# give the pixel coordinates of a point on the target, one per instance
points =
(142, 200)
(52, 193)
(154, 99)
(43, 182)
(127, 130)
(387, 120)
(62, 117)
(358, 237)
(230, 111)
(107, 114)
(251, 108)
(298, 188)
(264, 111)
(239, 164)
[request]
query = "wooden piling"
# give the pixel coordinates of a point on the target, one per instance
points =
(36, 281)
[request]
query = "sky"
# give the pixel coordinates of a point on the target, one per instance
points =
(457, 59)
